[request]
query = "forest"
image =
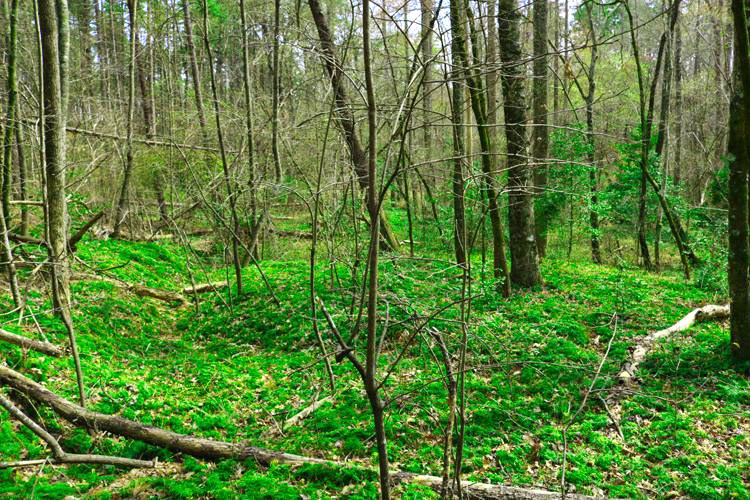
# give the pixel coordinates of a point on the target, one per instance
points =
(471, 249)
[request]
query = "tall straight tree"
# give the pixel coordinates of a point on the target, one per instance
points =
(459, 150)
(275, 91)
(122, 202)
(194, 70)
(596, 254)
(478, 100)
(524, 258)
(247, 91)
(54, 42)
(739, 169)
(426, 32)
(228, 182)
(540, 132)
(10, 125)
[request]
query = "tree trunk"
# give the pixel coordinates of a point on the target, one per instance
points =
(540, 132)
(459, 151)
(228, 183)
(426, 34)
(596, 255)
(122, 202)
(247, 88)
(739, 169)
(677, 170)
(524, 258)
(7, 157)
(344, 113)
(194, 71)
(275, 91)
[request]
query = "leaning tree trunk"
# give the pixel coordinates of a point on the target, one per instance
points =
(524, 259)
(345, 116)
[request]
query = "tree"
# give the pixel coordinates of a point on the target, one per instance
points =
(739, 169)
(122, 203)
(524, 259)
(10, 125)
(54, 39)
(344, 113)
(540, 132)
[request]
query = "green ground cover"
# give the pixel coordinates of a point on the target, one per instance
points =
(236, 369)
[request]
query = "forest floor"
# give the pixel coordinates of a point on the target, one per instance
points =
(237, 370)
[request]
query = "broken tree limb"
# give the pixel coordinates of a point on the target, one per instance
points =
(60, 456)
(139, 290)
(204, 288)
(27, 343)
(220, 450)
(639, 352)
(299, 417)
(20, 238)
(73, 240)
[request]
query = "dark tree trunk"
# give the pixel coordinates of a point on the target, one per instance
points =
(344, 112)
(596, 254)
(677, 170)
(194, 71)
(739, 149)
(524, 258)
(540, 132)
(459, 151)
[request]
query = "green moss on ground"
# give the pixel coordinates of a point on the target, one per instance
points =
(235, 370)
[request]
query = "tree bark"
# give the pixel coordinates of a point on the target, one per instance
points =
(194, 71)
(524, 259)
(739, 170)
(7, 157)
(540, 132)
(596, 255)
(345, 115)
(122, 203)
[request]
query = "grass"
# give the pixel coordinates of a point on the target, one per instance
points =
(235, 370)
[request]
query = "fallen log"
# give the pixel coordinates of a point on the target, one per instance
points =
(27, 343)
(205, 288)
(139, 290)
(641, 350)
(220, 450)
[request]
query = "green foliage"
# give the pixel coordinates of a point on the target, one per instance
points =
(236, 374)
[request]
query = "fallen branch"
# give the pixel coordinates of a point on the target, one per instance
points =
(60, 456)
(20, 238)
(34, 203)
(639, 352)
(291, 234)
(27, 343)
(299, 417)
(204, 288)
(220, 450)
(139, 290)
(73, 241)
